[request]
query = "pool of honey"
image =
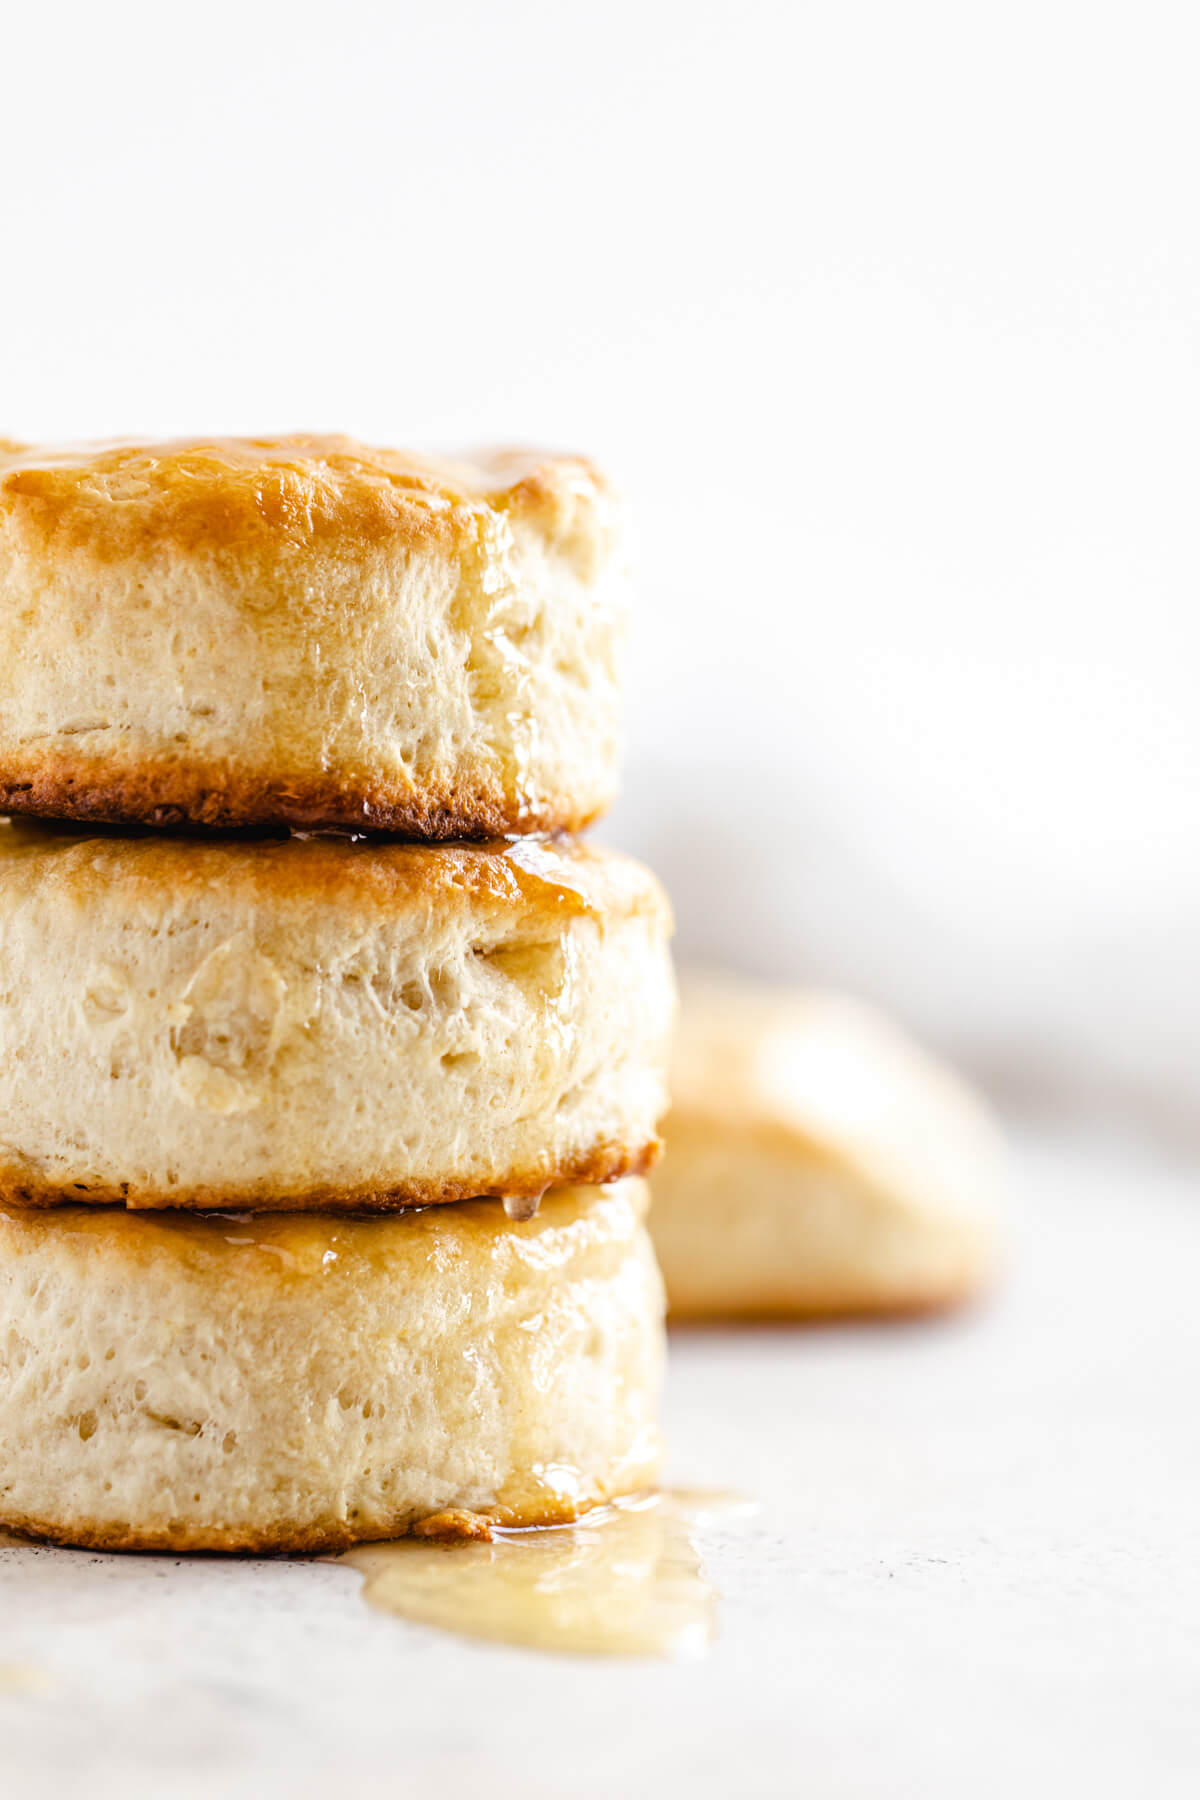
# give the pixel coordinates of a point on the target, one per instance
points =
(625, 1580)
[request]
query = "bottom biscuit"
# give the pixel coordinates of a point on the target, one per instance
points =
(295, 1383)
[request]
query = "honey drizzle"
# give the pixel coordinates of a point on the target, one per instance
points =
(520, 1208)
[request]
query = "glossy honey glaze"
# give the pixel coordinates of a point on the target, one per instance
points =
(625, 1580)
(567, 1225)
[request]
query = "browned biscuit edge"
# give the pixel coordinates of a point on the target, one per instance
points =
(211, 798)
(456, 1525)
(595, 1168)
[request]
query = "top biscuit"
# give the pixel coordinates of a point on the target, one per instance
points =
(304, 631)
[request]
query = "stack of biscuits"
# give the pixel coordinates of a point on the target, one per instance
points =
(308, 997)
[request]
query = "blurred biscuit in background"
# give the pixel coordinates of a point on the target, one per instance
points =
(818, 1163)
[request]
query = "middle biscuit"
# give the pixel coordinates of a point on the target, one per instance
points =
(324, 1023)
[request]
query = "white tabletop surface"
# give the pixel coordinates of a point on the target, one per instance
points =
(974, 1572)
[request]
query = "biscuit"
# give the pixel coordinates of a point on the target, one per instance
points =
(817, 1163)
(173, 1381)
(320, 1023)
(305, 630)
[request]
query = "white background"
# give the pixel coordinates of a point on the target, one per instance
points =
(888, 317)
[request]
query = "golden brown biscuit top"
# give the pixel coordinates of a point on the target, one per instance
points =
(296, 491)
(548, 879)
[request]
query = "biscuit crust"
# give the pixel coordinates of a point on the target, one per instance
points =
(308, 631)
(298, 1384)
(162, 794)
(320, 1023)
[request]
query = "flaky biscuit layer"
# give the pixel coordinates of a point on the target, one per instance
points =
(319, 1023)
